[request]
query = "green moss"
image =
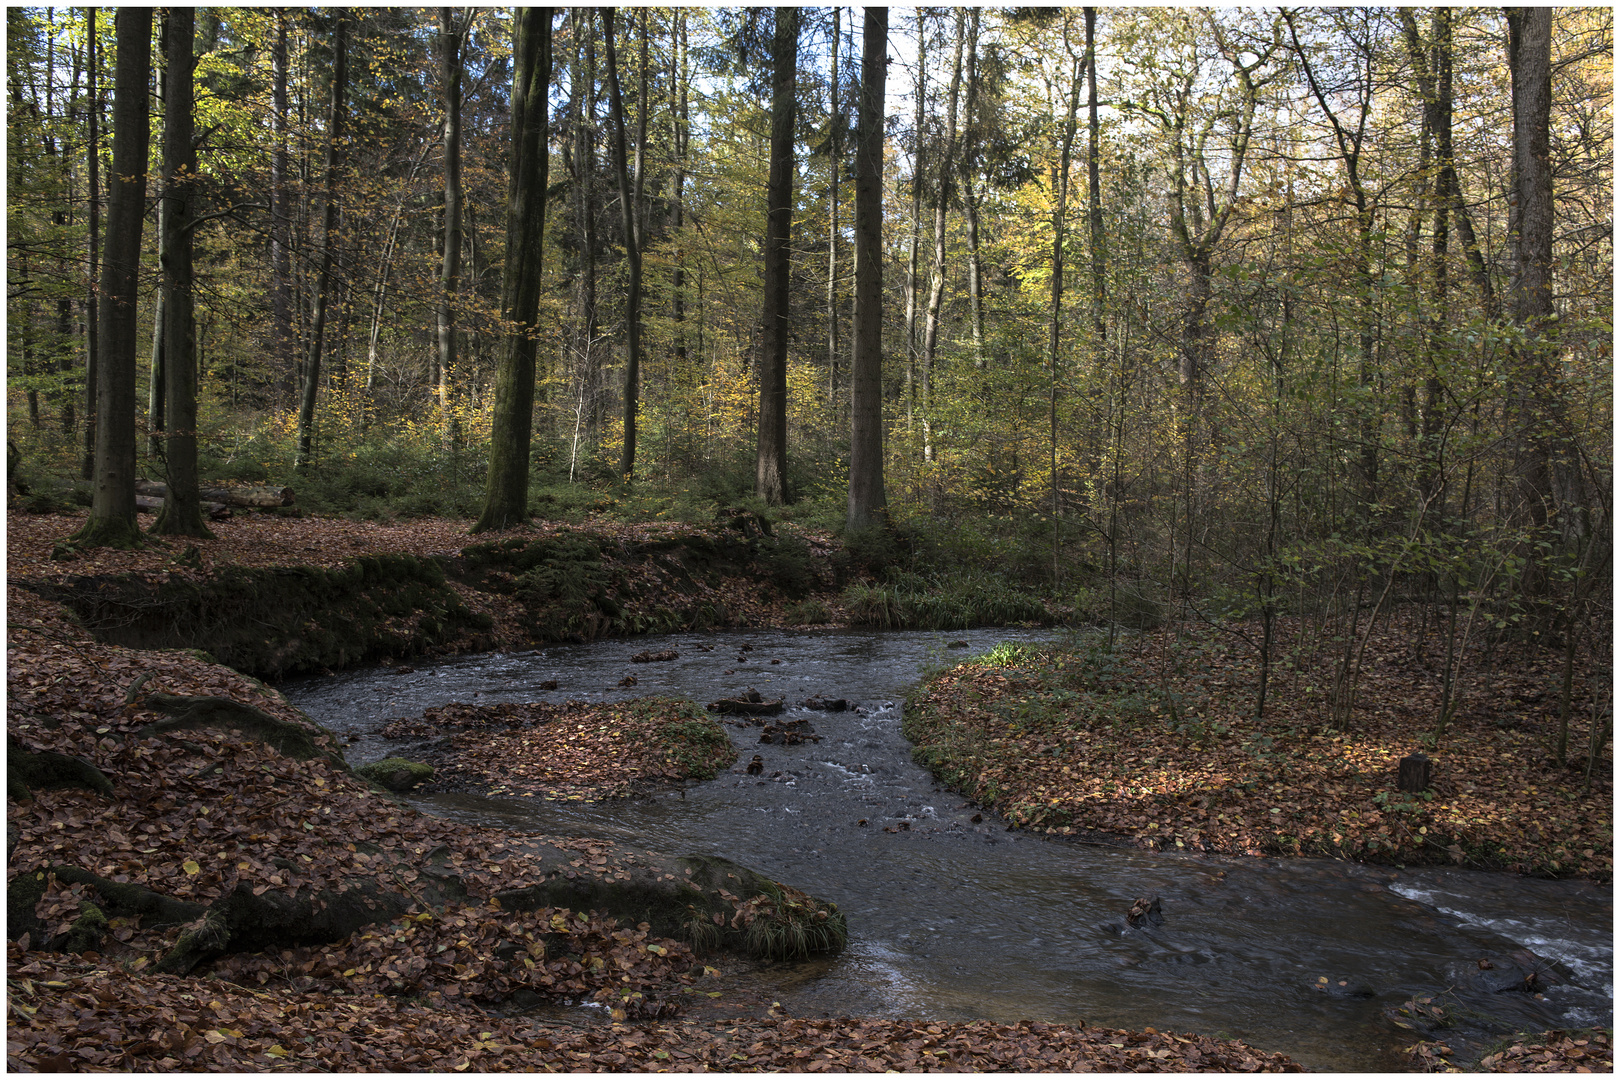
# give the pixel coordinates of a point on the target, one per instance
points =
(87, 930)
(396, 774)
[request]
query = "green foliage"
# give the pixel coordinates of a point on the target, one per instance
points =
(953, 602)
(694, 740)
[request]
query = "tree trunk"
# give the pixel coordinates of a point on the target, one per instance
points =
(680, 76)
(936, 285)
(112, 508)
(281, 328)
(92, 339)
(1060, 207)
(156, 382)
(585, 172)
(867, 501)
(317, 322)
(450, 267)
(970, 198)
(770, 462)
(1551, 488)
(182, 511)
(1094, 214)
(836, 158)
(632, 254)
(910, 392)
(507, 494)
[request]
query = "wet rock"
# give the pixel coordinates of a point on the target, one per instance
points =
(822, 704)
(1341, 986)
(628, 680)
(791, 733)
(756, 766)
(396, 774)
(549, 684)
(750, 703)
(957, 645)
(1145, 909)
(647, 656)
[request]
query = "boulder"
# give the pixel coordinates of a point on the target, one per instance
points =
(396, 774)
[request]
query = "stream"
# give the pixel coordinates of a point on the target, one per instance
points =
(955, 919)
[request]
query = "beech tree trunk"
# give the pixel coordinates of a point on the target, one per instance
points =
(632, 255)
(182, 508)
(936, 282)
(836, 158)
(281, 328)
(770, 462)
(450, 267)
(867, 501)
(157, 369)
(92, 311)
(506, 499)
(323, 280)
(112, 507)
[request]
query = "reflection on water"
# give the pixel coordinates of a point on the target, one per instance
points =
(957, 919)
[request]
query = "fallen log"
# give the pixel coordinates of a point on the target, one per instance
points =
(148, 504)
(250, 495)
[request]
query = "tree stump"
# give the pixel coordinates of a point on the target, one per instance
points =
(1415, 773)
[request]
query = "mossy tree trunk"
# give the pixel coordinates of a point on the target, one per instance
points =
(506, 498)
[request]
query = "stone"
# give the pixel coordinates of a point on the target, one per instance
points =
(396, 774)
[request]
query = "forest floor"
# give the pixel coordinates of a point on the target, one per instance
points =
(1156, 743)
(197, 818)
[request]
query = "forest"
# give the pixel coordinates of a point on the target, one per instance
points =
(1162, 303)
(1284, 333)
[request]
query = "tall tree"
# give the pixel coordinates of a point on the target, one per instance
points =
(1054, 325)
(157, 397)
(92, 336)
(632, 255)
(1550, 484)
(182, 505)
(112, 507)
(282, 341)
(945, 171)
(867, 500)
(968, 164)
(770, 461)
(914, 244)
(450, 266)
(506, 497)
(323, 281)
(835, 157)
(1094, 214)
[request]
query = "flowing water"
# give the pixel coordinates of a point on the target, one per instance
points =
(955, 919)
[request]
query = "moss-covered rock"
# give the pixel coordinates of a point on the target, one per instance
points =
(396, 774)
(708, 901)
